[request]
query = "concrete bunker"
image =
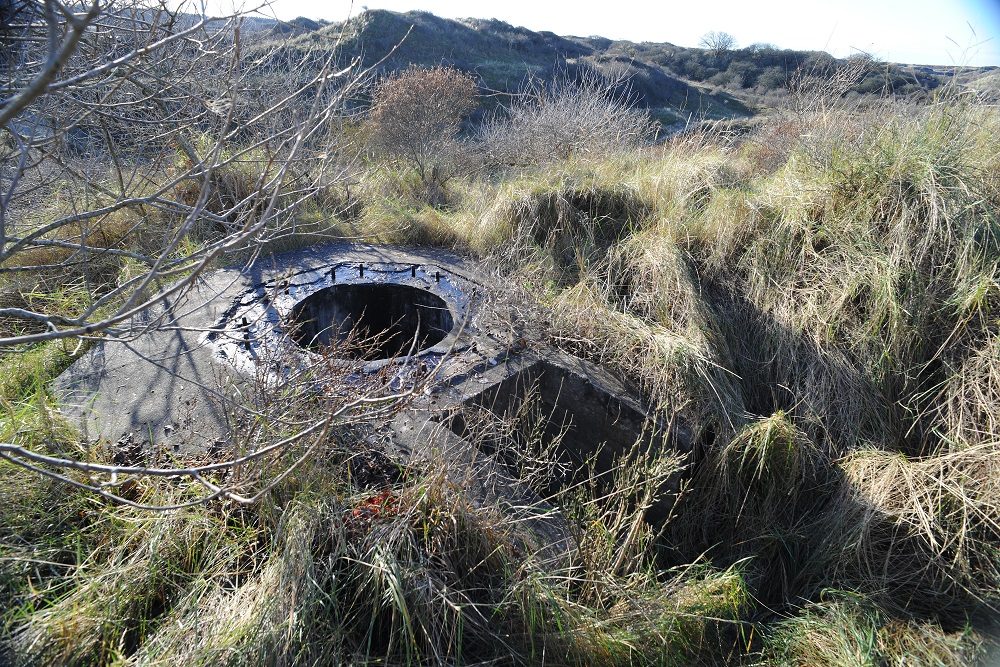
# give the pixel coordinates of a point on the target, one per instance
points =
(390, 316)
(160, 390)
(168, 388)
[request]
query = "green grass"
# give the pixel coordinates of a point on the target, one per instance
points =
(844, 629)
(25, 372)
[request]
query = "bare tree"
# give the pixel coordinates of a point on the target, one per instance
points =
(136, 112)
(717, 42)
(140, 146)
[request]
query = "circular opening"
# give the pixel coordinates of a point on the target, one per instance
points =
(382, 318)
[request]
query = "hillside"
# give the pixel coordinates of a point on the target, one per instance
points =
(677, 84)
(503, 58)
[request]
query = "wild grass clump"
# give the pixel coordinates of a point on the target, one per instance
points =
(418, 571)
(845, 629)
(919, 536)
(117, 595)
(679, 371)
(837, 296)
(565, 227)
(756, 503)
(827, 260)
(24, 373)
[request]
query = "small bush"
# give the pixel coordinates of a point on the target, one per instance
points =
(415, 119)
(566, 118)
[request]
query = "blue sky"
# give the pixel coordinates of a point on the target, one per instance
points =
(933, 32)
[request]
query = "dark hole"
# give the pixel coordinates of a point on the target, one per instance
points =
(591, 424)
(389, 316)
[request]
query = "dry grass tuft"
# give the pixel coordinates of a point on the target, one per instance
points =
(920, 535)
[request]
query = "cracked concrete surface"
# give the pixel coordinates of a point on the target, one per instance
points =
(164, 384)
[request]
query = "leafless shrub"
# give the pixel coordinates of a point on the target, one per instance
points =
(71, 124)
(593, 116)
(141, 146)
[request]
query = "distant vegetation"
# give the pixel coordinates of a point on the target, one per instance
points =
(813, 295)
(678, 84)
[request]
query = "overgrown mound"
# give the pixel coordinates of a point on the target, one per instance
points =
(817, 302)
